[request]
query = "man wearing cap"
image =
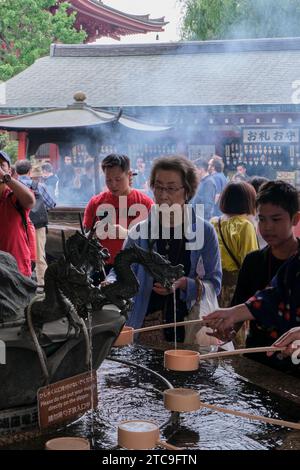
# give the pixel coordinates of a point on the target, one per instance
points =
(29, 176)
(14, 197)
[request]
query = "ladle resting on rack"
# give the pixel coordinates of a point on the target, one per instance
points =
(186, 400)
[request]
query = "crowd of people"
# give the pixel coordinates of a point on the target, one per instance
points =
(240, 245)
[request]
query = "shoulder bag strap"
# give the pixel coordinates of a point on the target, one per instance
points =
(226, 246)
(199, 289)
(34, 185)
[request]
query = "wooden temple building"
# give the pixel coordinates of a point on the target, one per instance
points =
(240, 99)
(99, 20)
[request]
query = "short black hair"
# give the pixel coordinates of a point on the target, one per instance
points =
(217, 163)
(114, 159)
(238, 198)
(47, 167)
(257, 181)
(22, 167)
(279, 193)
(201, 163)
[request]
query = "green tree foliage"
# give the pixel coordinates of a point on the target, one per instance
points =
(12, 149)
(3, 139)
(237, 19)
(9, 146)
(28, 27)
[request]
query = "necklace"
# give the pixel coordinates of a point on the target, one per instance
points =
(168, 243)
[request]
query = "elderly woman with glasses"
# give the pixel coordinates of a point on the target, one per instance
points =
(173, 230)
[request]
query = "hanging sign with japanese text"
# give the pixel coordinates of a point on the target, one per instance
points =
(264, 136)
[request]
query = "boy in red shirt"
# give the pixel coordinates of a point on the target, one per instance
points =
(13, 234)
(114, 204)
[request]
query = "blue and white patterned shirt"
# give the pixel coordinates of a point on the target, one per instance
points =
(48, 200)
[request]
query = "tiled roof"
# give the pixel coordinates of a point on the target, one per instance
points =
(243, 72)
(99, 20)
(75, 116)
(143, 19)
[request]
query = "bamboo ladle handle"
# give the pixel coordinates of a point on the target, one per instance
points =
(278, 422)
(203, 357)
(168, 446)
(169, 325)
(235, 352)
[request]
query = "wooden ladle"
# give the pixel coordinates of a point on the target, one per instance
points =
(277, 422)
(185, 400)
(68, 443)
(126, 335)
(141, 434)
(236, 352)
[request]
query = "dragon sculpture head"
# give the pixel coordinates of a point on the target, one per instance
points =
(158, 266)
(85, 253)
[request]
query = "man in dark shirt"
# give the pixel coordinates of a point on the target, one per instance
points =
(241, 174)
(50, 179)
(85, 184)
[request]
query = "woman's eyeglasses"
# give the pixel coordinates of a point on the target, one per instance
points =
(159, 189)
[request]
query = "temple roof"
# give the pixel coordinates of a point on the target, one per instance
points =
(100, 20)
(77, 115)
(245, 72)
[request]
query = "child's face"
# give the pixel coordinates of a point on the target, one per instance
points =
(275, 224)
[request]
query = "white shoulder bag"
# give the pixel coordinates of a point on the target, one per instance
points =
(204, 304)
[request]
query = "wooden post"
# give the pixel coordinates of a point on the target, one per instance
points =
(22, 148)
(96, 170)
(54, 155)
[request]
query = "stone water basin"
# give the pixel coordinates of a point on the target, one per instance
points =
(127, 392)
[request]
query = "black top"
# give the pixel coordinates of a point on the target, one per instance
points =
(174, 250)
(86, 190)
(257, 271)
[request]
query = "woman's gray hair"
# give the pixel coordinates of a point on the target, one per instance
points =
(181, 165)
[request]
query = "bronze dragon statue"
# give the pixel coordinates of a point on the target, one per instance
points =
(69, 291)
(47, 336)
(126, 285)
